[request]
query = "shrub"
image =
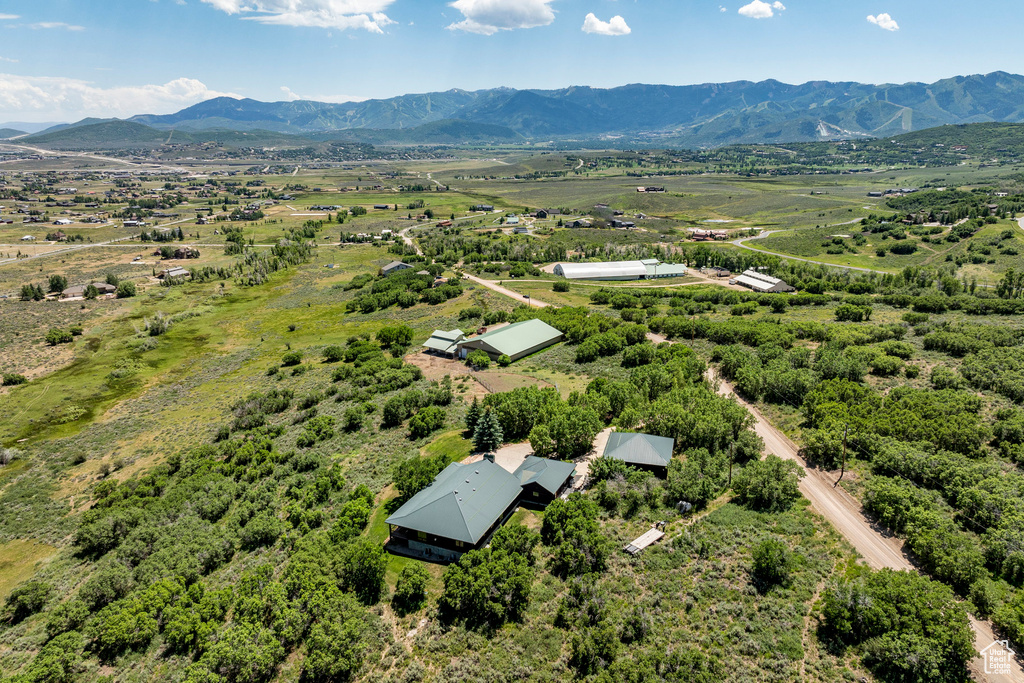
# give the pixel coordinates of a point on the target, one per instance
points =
(561, 286)
(291, 358)
(410, 589)
(425, 421)
(126, 290)
(504, 360)
(26, 600)
(771, 484)
(333, 354)
(770, 564)
(478, 359)
(57, 336)
(364, 565)
(11, 379)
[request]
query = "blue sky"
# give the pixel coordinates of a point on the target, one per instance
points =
(62, 60)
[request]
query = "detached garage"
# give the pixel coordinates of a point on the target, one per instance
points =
(515, 341)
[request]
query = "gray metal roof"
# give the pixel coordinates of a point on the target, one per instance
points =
(606, 269)
(446, 341)
(462, 503)
(640, 449)
(550, 475)
(516, 338)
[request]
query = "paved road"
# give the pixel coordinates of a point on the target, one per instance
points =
(742, 243)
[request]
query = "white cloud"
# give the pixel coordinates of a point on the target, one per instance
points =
(334, 99)
(56, 24)
(8, 59)
(487, 17)
(68, 98)
(758, 9)
(339, 14)
(289, 93)
(722, 9)
(8, 17)
(884, 21)
(616, 26)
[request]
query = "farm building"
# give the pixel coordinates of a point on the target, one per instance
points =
(79, 290)
(515, 341)
(620, 270)
(394, 267)
(443, 342)
(543, 480)
(175, 273)
(640, 450)
(759, 282)
(458, 512)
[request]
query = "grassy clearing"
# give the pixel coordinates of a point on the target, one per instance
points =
(19, 560)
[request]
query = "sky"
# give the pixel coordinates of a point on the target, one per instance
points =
(64, 60)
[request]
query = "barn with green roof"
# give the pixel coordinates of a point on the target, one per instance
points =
(515, 341)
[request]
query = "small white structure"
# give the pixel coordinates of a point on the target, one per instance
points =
(759, 282)
(28, 238)
(63, 221)
(647, 269)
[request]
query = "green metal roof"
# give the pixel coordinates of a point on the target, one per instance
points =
(640, 449)
(548, 474)
(445, 341)
(462, 503)
(516, 338)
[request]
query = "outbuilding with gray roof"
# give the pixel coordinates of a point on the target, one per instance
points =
(645, 451)
(543, 479)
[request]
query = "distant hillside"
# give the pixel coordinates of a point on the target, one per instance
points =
(10, 133)
(446, 132)
(103, 135)
(712, 114)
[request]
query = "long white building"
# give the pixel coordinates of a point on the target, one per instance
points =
(648, 269)
(759, 282)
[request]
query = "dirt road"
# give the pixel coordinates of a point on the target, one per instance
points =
(507, 292)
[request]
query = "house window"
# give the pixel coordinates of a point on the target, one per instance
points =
(459, 544)
(536, 493)
(422, 535)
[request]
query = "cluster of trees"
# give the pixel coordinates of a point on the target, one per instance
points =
(404, 288)
(907, 627)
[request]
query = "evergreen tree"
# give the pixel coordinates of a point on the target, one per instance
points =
(38, 293)
(473, 415)
(488, 435)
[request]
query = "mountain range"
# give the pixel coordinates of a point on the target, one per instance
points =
(707, 115)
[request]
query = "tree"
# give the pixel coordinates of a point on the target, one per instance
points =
(516, 539)
(57, 336)
(333, 354)
(771, 484)
(91, 292)
(425, 421)
(473, 415)
(913, 627)
(112, 278)
(770, 564)
(410, 589)
(486, 588)
(488, 435)
(291, 358)
(363, 568)
(397, 335)
(26, 600)
(58, 283)
(126, 290)
(478, 359)
(504, 360)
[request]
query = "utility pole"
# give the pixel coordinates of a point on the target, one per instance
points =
(732, 453)
(842, 471)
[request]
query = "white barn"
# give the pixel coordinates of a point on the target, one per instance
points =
(620, 270)
(759, 282)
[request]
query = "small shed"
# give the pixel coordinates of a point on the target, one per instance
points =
(543, 480)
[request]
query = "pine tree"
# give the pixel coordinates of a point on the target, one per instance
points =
(473, 415)
(488, 435)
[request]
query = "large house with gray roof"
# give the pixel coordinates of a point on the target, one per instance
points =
(458, 512)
